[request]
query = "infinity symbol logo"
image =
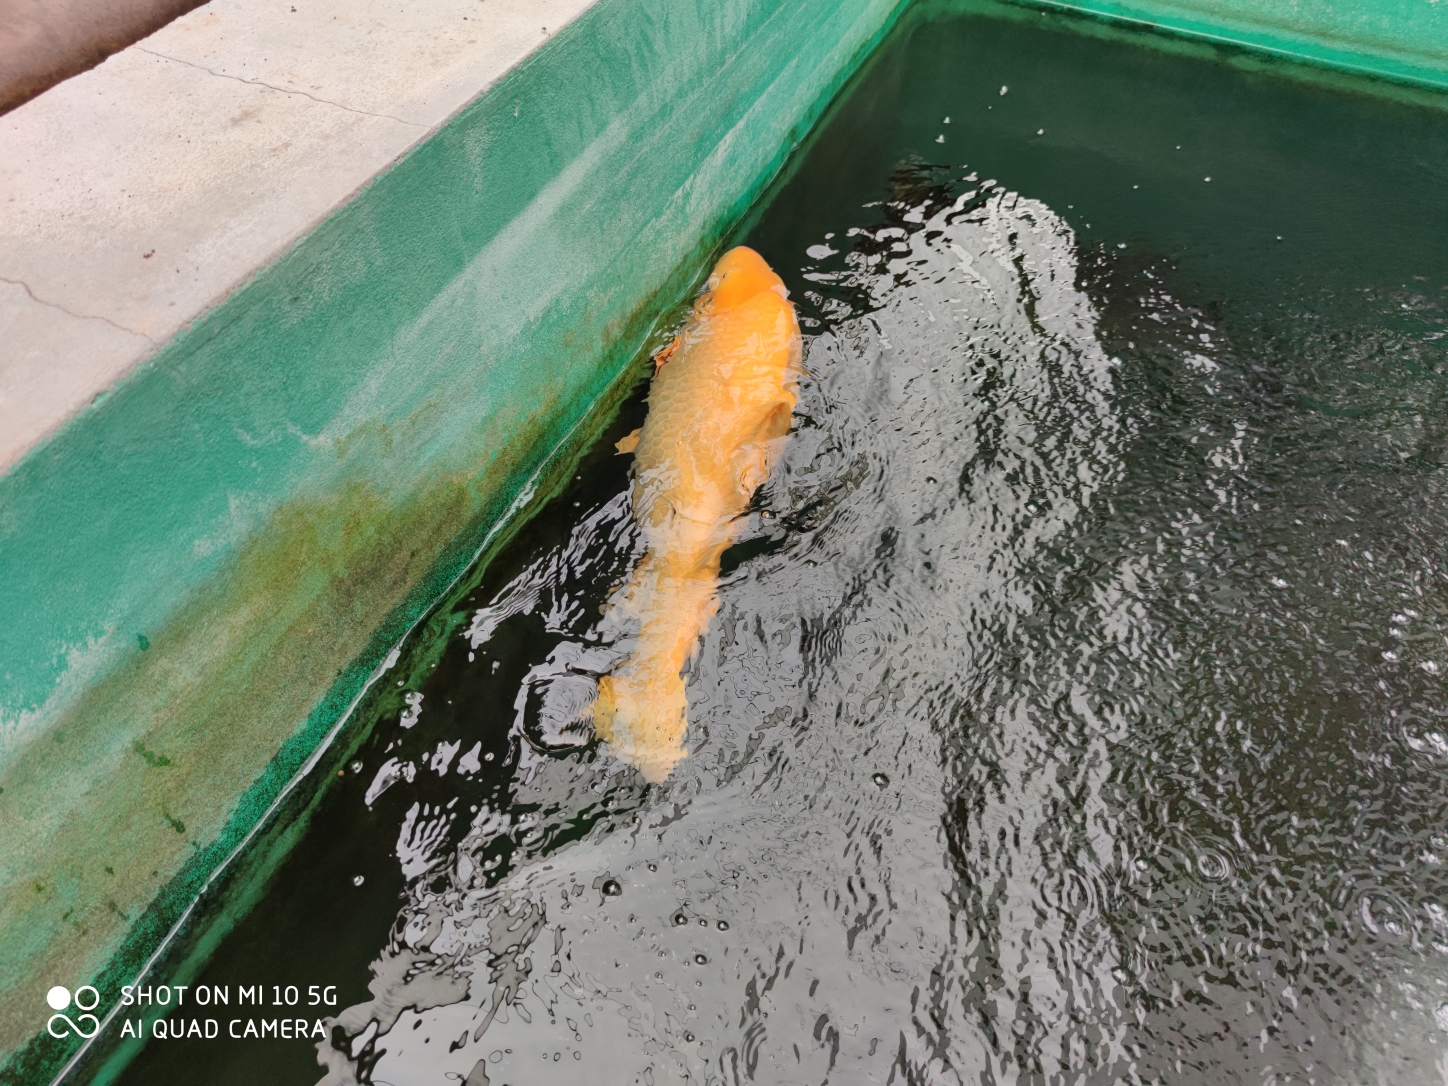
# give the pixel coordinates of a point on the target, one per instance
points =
(50, 1025)
(59, 999)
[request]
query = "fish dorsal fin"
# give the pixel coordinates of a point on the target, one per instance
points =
(626, 445)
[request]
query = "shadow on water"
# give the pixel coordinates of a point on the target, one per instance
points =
(1074, 710)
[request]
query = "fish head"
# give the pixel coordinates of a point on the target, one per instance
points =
(740, 275)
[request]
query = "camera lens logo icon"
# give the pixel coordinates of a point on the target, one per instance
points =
(85, 999)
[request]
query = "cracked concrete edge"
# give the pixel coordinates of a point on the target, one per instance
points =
(134, 160)
(283, 90)
(75, 358)
(70, 313)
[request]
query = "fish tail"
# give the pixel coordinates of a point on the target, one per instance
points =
(641, 716)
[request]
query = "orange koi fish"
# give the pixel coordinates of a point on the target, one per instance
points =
(720, 407)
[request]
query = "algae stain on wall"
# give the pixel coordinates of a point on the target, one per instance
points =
(229, 680)
(235, 675)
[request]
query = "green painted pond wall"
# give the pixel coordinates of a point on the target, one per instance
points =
(1401, 40)
(204, 570)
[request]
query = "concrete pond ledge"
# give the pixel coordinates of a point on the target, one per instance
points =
(140, 194)
(268, 391)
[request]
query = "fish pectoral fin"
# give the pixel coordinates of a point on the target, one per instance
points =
(626, 445)
(750, 466)
(778, 421)
(752, 461)
(661, 359)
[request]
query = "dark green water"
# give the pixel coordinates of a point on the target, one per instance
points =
(1075, 708)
